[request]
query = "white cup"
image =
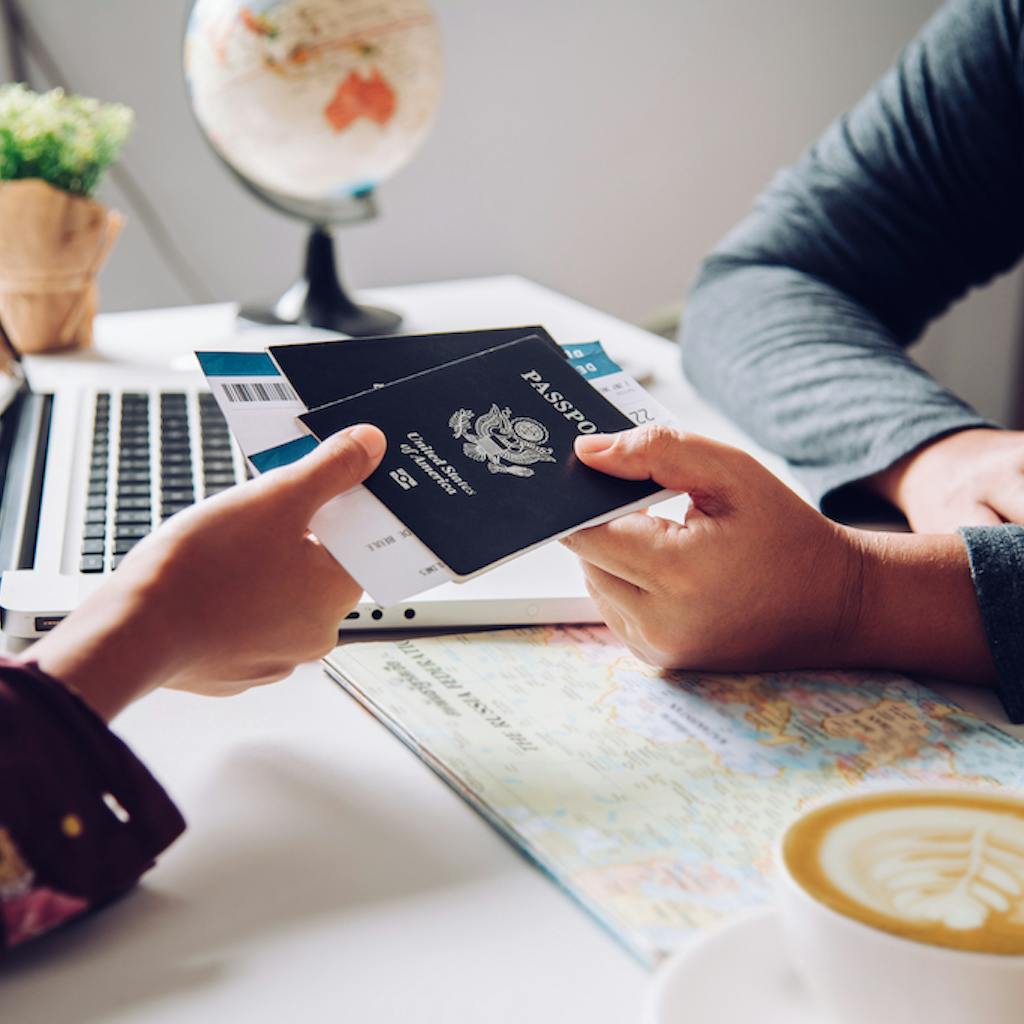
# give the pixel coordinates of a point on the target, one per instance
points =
(860, 975)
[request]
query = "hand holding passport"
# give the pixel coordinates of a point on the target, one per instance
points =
(480, 427)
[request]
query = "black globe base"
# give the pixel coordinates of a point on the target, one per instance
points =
(319, 299)
(355, 321)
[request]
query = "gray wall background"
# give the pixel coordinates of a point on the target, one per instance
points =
(599, 148)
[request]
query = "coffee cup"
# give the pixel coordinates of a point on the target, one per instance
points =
(907, 906)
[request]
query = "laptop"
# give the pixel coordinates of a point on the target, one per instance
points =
(86, 473)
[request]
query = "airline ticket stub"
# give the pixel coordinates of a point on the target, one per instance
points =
(361, 532)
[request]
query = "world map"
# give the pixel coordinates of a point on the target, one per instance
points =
(655, 798)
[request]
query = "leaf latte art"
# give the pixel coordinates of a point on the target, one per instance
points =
(942, 868)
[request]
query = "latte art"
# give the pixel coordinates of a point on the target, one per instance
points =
(943, 868)
(953, 866)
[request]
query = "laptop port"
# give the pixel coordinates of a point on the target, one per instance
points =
(410, 613)
(44, 623)
(376, 615)
(352, 615)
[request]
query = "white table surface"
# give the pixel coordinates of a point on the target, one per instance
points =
(327, 874)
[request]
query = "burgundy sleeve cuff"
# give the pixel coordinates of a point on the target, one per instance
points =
(80, 816)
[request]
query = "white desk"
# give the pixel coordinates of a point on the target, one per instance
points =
(327, 874)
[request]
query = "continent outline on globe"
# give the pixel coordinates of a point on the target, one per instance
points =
(314, 99)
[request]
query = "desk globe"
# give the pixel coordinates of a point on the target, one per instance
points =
(312, 103)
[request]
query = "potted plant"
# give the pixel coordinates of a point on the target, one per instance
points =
(54, 149)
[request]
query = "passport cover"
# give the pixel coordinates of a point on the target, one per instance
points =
(480, 464)
(326, 371)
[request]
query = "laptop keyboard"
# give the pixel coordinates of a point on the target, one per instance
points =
(149, 482)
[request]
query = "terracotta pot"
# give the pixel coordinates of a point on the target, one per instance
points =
(52, 245)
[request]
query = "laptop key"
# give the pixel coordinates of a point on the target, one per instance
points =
(96, 515)
(139, 501)
(93, 547)
(134, 489)
(123, 546)
(95, 531)
(129, 515)
(131, 531)
(176, 494)
(133, 477)
(91, 563)
(95, 501)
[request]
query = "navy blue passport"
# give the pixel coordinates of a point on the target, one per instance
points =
(326, 371)
(480, 462)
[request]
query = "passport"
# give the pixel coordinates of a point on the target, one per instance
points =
(480, 463)
(325, 371)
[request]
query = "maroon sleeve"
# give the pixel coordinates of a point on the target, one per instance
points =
(80, 817)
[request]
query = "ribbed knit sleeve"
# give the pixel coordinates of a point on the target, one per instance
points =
(996, 554)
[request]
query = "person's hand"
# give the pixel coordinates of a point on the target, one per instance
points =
(229, 593)
(970, 478)
(757, 580)
(754, 576)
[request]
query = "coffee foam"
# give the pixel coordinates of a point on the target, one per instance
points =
(942, 868)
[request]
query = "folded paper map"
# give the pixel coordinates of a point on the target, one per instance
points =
(653, 798)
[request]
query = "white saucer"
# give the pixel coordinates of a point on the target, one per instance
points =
(738, 974)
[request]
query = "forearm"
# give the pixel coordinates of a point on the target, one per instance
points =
(111, 651)
(917, 610)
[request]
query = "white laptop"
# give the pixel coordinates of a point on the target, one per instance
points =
(87, 473)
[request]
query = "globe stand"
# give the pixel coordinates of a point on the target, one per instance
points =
(319, 298)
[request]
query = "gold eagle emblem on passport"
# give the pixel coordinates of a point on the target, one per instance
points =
(497, 438)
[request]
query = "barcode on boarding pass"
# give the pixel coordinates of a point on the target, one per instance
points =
(259, 391)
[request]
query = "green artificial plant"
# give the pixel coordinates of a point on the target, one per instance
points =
(67, 141)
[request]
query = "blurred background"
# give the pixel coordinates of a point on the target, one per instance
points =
(598, 148)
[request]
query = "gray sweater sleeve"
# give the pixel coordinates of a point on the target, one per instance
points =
(997, 565)
(797, 323)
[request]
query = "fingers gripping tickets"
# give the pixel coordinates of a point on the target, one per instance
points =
(680, 462)
(234, 590)
(333, 467)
